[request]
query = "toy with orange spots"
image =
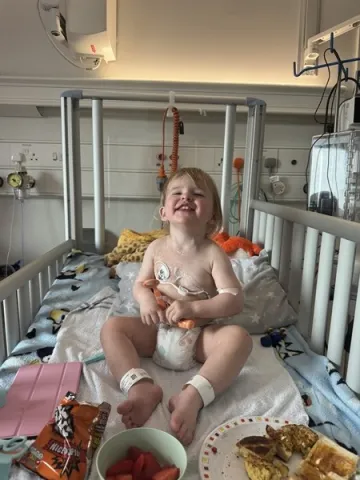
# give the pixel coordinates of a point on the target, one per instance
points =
(232, 244)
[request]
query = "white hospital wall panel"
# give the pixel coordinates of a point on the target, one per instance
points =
(131, 142)
(200, 157)
(5, 155)
(293, 188)
(292, 161)
(38, 154)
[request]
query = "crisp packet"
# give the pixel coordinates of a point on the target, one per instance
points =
(66, 445)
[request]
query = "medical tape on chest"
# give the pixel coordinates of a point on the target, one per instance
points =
(163, 276)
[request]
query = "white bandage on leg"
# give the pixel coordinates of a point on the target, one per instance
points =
(131, 377)
(204, 388)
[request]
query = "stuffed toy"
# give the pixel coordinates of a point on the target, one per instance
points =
(131, 246)
(236, 246)
(273, 337)
(163, 303)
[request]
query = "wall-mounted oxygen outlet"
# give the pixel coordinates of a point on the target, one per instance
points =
(278, 187)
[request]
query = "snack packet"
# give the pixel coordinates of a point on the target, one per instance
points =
(66, 445)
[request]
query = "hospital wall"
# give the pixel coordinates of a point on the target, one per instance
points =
(132, 142)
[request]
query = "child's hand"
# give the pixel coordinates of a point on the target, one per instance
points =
(151, 313)
(178, 311)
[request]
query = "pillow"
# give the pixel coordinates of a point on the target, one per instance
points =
(265, 306)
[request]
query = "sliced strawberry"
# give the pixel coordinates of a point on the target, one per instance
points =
(171, 473)
(138, 467)
(151, 465)
(121, 467)
(134, 453)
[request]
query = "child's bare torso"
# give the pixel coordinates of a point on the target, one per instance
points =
(184, 276)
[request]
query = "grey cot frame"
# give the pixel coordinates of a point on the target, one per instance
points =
(292, 237)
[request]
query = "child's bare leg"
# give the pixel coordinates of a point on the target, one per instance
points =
(224, 350)
(124, 339)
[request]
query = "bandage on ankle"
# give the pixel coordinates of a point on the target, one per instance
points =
(131, 377)
(204, 388)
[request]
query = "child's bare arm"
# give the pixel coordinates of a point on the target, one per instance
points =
(224, 304)
(146, 272)
(150, 311)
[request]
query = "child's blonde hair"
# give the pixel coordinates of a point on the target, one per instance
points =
(201, 179)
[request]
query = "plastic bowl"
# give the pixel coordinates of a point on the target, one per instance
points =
(166, 448)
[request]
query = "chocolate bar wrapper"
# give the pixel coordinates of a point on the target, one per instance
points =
(66, 446)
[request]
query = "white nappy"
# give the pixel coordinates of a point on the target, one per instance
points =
(175, 347)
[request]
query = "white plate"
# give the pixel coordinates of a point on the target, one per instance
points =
(218, 458)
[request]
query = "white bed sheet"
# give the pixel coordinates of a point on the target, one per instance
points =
(263, 388)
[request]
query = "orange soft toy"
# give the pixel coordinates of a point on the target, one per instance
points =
(231, 244)
(163, 303)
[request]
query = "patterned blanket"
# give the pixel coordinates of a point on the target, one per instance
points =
(82, 275)
(333, 409)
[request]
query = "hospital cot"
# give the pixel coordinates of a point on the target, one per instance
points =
(300, 244)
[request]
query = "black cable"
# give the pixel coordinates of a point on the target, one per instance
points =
(332, 91)
(323, 93)
(307, 169)
(316, 120)
(264, 194)
(326, 123)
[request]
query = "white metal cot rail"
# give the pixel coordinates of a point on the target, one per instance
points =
(22, 293)
(293, 238)
(70, 122)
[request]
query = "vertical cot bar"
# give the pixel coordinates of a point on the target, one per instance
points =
(339, 315)
(98, 161)
(256, 226)
(285, 257)
(262, 229)
(269, 235)
(2, 335)
(229, 140)
(352, 375)
(43, 283)
(275, 254)
(322, 295)
(34, 295)
(307, 280)
(65, 163)
(23, 300)
(11, 323)
(75, 172)
(52, 273)
(254, 151)
(57, 266)
(297, 253)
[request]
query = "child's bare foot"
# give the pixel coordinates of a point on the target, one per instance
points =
(184, 409)
(142, 400)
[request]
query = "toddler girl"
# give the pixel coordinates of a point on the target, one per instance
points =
(197, 280)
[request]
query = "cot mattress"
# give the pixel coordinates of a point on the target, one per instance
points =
(264, 387)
